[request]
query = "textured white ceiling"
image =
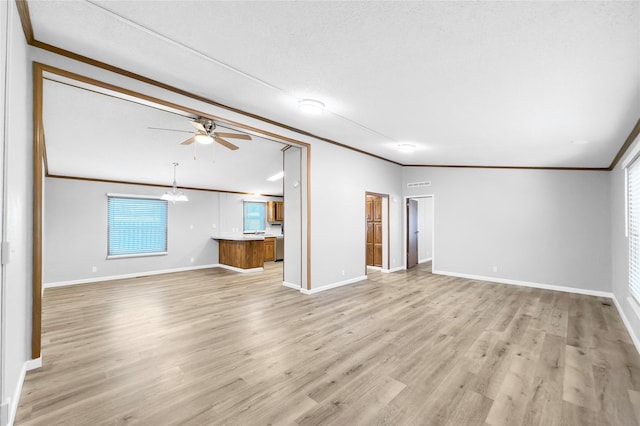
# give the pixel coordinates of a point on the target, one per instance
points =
(469, 83)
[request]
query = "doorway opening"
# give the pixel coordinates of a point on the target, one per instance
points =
(420, 231)
(298, 235)
(377, 230)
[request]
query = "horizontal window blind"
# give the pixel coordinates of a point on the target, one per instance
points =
(633, 194)
(137, 226)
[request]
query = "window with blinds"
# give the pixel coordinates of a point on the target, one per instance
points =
(137, 226)
(255, 216)
(633, 200)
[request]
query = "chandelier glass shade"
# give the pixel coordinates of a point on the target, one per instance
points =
(174, 194)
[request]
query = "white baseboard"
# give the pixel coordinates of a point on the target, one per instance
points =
(397, 268)
(15, 401)
(625, 320)
(291, 285)
(125, 276)
(375, 268)
(529, 284)
(32, 364)
(334, 285)
(243, 271)
(424, 260)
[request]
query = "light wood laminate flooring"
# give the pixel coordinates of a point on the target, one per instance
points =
(409, 348)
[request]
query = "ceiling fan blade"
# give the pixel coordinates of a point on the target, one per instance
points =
(189, 141)
(224, 143)
(171, 130)
(198, 125)
(233, 136)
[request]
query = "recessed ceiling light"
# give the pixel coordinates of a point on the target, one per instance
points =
(275, 177)
(204, 139)
(406, 148)
(579, 142)
(311, 106)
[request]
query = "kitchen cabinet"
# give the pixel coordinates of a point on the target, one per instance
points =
(275, 211)
(243, 254)
(269, 249)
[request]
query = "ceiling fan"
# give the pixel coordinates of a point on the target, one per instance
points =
(205, 134)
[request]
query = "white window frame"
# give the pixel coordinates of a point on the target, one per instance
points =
(129, 255)
(632, 221)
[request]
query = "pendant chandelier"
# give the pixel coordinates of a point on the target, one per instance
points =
(174, 194)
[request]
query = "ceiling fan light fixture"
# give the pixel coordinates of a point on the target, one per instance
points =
(406, 148)
(204, 139)
(311, 106)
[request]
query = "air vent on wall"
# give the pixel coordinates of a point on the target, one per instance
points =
(419, 184)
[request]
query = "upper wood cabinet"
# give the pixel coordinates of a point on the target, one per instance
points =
(275, 211)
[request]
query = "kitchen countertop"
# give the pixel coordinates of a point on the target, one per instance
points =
(234, 236)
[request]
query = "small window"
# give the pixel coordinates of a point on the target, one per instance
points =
(633, 223)
(137, 226)
(255, 216)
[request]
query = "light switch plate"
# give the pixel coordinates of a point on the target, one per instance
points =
(6, 252)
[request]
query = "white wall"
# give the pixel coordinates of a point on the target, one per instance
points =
(620, 248)
(76, 232)
(425, 228)
(231, 211)
(339, 180)
(17, 206)
(536, 226)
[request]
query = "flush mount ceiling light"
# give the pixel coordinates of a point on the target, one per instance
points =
(311, 106)
(406, 148)
(174, 195)
(203, 139)
(276, 177)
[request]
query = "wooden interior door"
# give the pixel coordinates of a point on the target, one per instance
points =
(374, 230)
(377, 244)
(412, 233)
(370, 238)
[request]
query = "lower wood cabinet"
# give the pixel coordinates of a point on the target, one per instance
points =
(269, 249)
(246, 254)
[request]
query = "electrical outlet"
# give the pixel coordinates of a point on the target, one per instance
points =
(192, 260)
(191, 226)
(343, 274)
(214, 226)
(495, 269)
(94, 269)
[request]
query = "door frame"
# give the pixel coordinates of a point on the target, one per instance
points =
(40, 172)
(405, 225)
(386, 242)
